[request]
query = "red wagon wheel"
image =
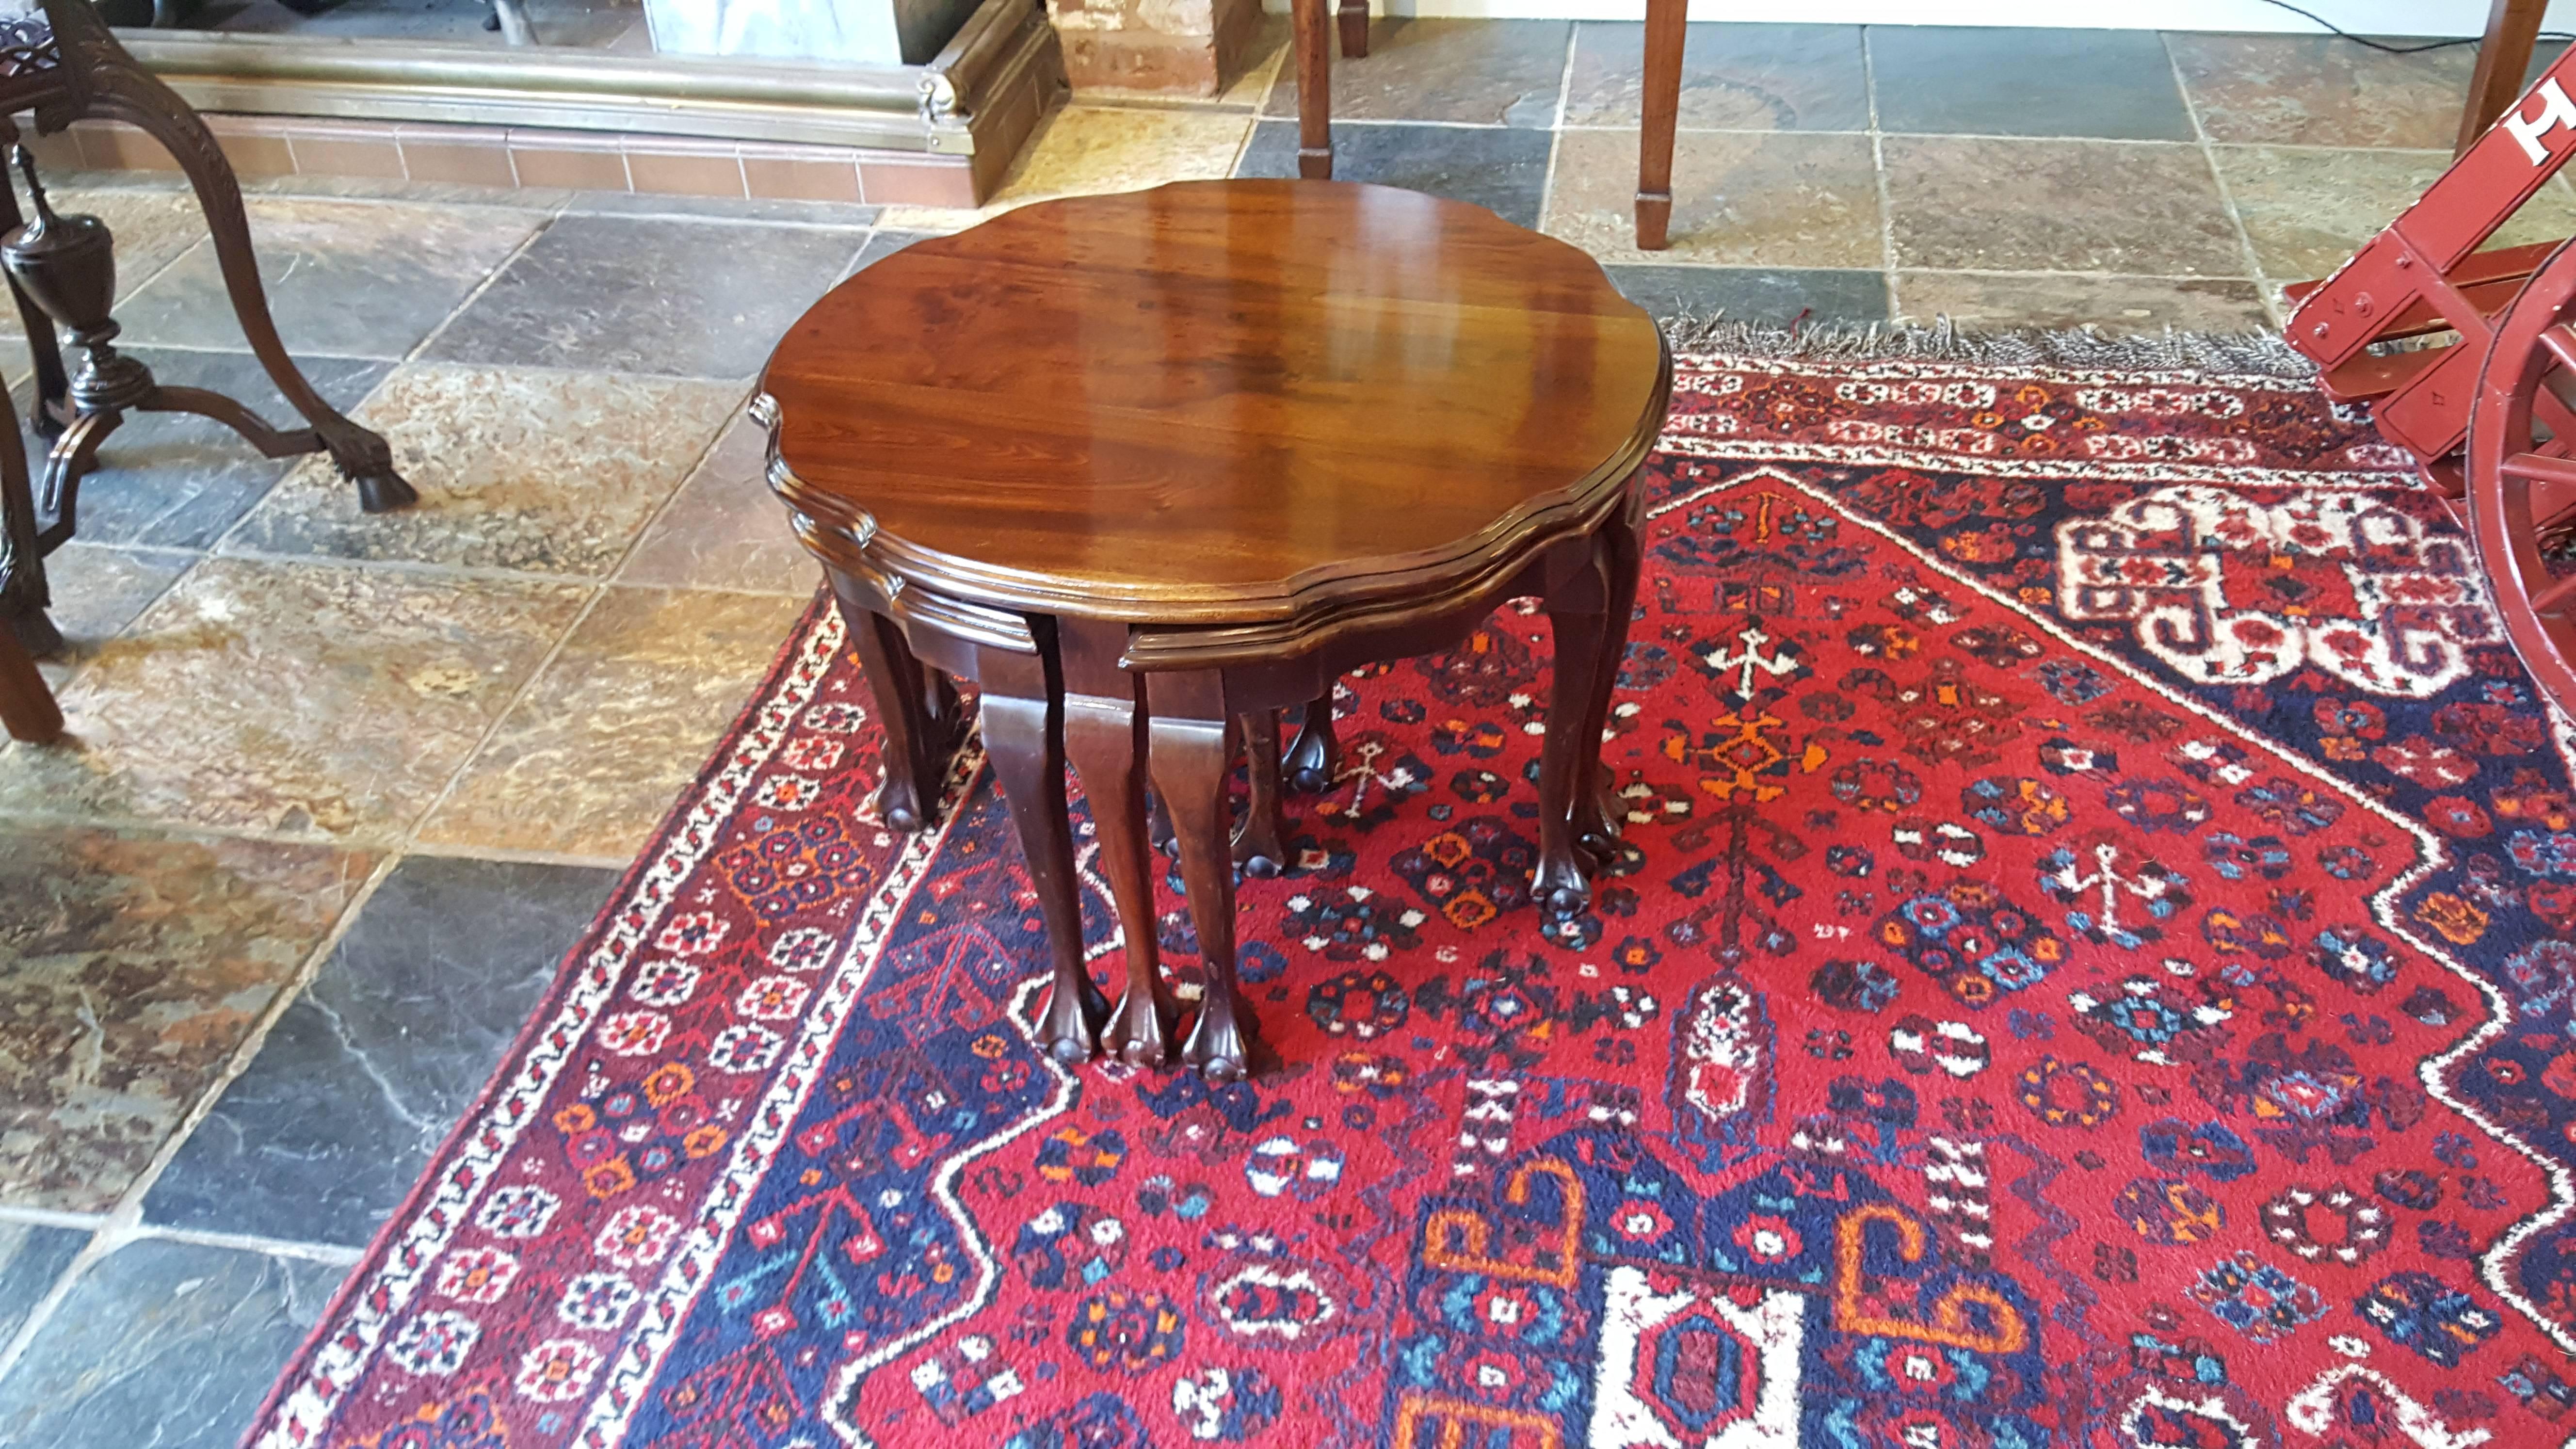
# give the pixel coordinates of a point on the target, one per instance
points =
(2522, 473)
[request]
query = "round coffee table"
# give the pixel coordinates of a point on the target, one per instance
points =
(1151, 467)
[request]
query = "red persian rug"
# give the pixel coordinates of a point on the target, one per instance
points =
(2090, 966)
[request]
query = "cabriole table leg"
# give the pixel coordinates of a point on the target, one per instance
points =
(918, 739)
(1104, 736)
(1191, 763)
(1024, 738)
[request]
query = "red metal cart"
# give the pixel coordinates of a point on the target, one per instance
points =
(2467, 360)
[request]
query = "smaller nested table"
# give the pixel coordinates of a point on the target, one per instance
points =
(1149, 468)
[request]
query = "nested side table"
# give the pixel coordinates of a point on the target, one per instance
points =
(1150, 467)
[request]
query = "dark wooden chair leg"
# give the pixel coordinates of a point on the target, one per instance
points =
(1024, 738)
(1258, 837)
(1313, 44)
(1666, 31)
(27, 707)
(1105, 737)
(1191, 765)
(917, 747)
(2513, 29)
(1311, 761)
(23, 596)
(1353, 15)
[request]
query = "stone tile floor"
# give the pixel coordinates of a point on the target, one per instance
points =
(342, 789)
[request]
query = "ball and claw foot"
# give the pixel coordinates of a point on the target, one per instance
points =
(1561, 890)
(1261, 867)
(1071, 1027)
(1139, 1034)
(1217, 1049)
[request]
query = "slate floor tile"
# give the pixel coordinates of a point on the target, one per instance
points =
(649, 295)
(2322, 90)
(298, 699)
(138, 962)
(1504, 171)
(177, 480)
(1772, 295)
(725, 529)
(367, 1070)
(1993, 81)
(1474, 72)
(163, 1343)
(1959, 203)
(1783, 200)
(2116, 304)
(97, 590)
(2306, 210)
(344, 278)
(535, 469)
(1735, 77)
(32, 1257)
(590, 760)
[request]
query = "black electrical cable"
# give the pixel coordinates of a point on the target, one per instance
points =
(2385, 47)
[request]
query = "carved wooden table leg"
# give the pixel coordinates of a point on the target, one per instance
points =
(918, 743)
(1578, 610)
(105, 82)
(1316, 755)
(1258, 838)
(1024, 738)
(1191, 765)
(2513, 29)
(1313, 42)
(1666, 30)
(1105, 736)
(1597, 812)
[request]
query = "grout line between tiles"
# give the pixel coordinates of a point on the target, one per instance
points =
(124, 1223)
(51, 1217)
(1556, 129)
(1878, 174)
(2218, 178)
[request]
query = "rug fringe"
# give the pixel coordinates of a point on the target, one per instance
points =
(2250, 353)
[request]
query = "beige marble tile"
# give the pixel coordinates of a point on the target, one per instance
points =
(725, 529)
(1084, 150)
(1735, 77)
(2307, 211)
(618, 723)
(1469, 72)
(1782, 200)
(517, 468)
(2143, 209)
(137, 963)
(98, 589)
(306, 700)
(2114, 304)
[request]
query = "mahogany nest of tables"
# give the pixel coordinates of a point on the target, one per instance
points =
(1150, 467)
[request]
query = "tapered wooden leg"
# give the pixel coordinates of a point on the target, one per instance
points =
(1312, 760)
(1191, 764)
(1666, 22)
(1258, 837)
(1104, 736)
(1313, 42)
(2513, 28)
(1578, 605)
(1353, 15)
(917, 743)
(1024, 738)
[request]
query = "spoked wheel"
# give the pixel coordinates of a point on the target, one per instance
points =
(2522, 474)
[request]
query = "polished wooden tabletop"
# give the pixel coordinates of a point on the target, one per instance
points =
(1214, 401)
